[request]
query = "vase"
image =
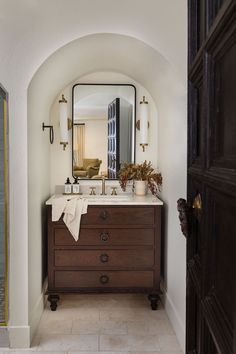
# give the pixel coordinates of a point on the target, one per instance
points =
(140, 187)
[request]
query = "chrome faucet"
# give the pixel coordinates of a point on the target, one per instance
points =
(103, 186)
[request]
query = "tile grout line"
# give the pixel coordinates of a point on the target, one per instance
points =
(72, 322)
(102, 313)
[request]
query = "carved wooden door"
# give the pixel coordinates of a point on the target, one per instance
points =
(113, 157)
(211, 240)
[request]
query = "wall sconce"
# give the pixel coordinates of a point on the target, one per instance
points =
(143, 124)
(51, 132)
(65, 122)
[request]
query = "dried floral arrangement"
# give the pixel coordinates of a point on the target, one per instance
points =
(140, 172)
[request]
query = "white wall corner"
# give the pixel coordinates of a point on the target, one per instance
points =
(177, 323)
(37, 312)
(19, 336)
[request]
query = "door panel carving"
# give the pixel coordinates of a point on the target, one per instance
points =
(222, 119)
(211, 242)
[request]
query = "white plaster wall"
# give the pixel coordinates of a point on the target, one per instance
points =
(30, 31)
(173, 165)
(162, 85)
(60, 171)
(39, 190)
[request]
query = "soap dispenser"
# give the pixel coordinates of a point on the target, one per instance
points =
(75, 186)
(68, 188)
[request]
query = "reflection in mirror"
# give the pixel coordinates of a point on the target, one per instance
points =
(103, 129)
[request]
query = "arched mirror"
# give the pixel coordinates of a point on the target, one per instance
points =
(104, 117)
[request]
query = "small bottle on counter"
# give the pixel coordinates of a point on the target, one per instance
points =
(68, 188)
(75, 186)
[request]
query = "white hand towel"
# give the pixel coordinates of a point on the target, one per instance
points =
(72, 215)
(58, 206)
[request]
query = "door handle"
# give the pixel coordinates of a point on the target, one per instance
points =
(103, 215)
(197, 202)
(186, 212)
(104, 258)
(104, 279)
(104, 237)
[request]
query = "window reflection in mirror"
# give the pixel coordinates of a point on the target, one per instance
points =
(103, 129)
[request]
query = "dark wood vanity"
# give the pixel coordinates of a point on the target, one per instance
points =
(118, 251)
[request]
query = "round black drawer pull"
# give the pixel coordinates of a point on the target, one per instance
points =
(104, 258)
(104, 215)
(104, 237)
(104, 279)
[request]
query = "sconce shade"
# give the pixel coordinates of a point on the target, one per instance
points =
(144, 116)
(63, 114)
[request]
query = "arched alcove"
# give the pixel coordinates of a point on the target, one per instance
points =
(146, 66)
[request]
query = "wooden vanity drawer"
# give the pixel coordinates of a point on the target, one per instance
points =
(103, 279)
(104, 237)
(121, 215)
(118, 250)
(125, 258)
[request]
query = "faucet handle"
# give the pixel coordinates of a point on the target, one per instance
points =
(103, 185)
(114, 191)
(93, 189)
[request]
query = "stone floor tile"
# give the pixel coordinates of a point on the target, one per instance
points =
(55, 326)
(137, 327)
(158, 327)
(106, 352)
(26, 351)
(72, 314)
(132, 314)
(168, 342)
(68, 342)
(105, 324)
(129, 343)
(161, 352)
(99, 327)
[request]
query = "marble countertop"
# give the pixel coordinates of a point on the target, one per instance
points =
(121, 199)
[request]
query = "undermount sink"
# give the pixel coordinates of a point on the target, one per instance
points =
(108, 198)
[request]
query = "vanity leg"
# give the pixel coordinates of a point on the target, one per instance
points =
(53, 299)
(153, 298)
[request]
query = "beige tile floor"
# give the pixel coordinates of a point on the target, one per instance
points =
(104, 323)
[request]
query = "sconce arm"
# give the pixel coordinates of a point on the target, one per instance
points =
(51, 131)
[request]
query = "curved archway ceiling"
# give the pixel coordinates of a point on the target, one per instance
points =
(107, 52)
(35, 29)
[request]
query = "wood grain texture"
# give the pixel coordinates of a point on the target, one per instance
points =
(104, 237)
(115, 279)
(105, 258)
(211, 267)
(120, 215)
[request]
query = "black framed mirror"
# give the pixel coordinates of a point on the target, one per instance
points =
(103, 129)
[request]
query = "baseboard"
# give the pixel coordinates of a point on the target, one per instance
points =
(37, 313)
(174, 318)
(19, 336)
(4, 337)
(35, 316)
